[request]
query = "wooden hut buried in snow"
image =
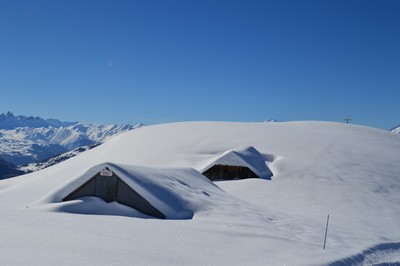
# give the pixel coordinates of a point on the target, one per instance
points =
(172, 193)
(108, 186)
(238, 164)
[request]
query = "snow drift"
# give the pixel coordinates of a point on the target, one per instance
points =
(319, 168)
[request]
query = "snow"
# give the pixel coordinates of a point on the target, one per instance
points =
(245, 157)
(320, 168)
(177, 192)
(31, 139)
(33, 167)
(396, 130)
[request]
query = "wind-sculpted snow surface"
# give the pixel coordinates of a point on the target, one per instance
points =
(350, 172)
(382, 254)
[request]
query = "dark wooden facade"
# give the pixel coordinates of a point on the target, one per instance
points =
(228, 172)
(112, 188)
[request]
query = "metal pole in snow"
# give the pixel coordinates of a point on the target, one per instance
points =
(347, 119)
(326, 231)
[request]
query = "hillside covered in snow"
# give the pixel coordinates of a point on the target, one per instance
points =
(308, 170)
(26, 140)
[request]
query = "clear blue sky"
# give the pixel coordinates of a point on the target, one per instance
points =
(162, 61)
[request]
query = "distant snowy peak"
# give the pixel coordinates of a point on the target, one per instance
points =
(100, 133)
(10, 121)
(31, 139)
(396, 129)
(139, 125)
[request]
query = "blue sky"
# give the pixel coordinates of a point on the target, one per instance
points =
(163, 61)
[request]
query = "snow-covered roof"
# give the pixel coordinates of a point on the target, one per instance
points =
(176, 192)
(245, 157)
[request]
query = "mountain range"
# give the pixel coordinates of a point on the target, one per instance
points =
(28, 139)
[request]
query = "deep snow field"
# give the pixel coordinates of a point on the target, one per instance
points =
(350, 172)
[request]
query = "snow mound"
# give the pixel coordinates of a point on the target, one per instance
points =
(177, 192)
(350, 172)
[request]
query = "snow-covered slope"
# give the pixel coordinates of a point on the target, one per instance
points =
(25, 140)
(319, 168)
